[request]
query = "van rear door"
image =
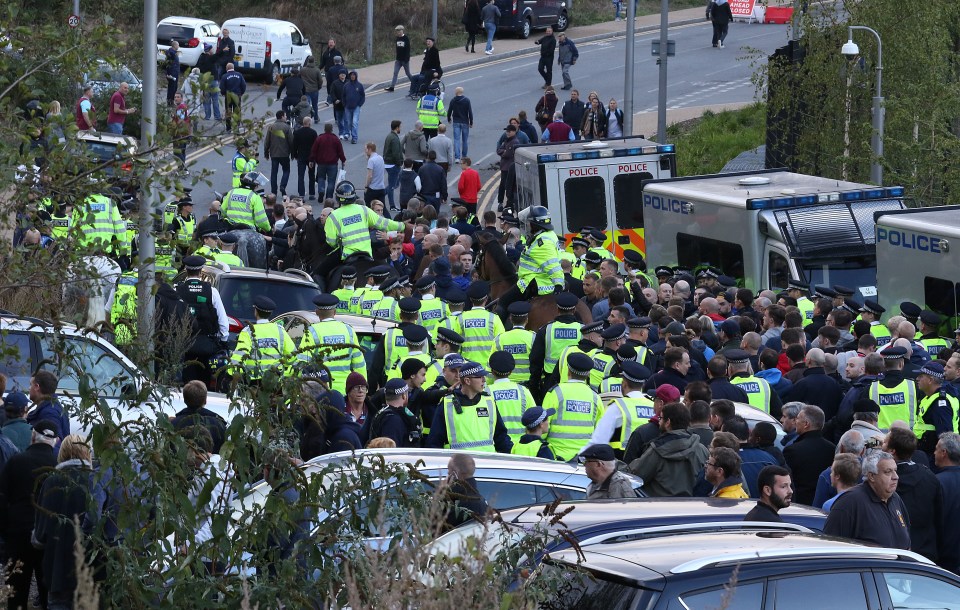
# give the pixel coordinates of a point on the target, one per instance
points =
(251, 46)
(627, 178)
(585, 189)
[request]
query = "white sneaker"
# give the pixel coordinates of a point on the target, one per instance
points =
(489, 52)
(721, 45)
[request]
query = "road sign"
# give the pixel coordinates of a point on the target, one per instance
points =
(73, 20)
(742, 8)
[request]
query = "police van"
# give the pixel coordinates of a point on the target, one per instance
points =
(765, 228)
(267, 47)
(593, 184)
(918, 257)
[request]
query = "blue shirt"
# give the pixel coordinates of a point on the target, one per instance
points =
(829, 503)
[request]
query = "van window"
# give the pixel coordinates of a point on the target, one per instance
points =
(694, 251)
(779, 270)
(627, 199)
(15, 360)
(295, 37)
(586, 203)
(941, 296)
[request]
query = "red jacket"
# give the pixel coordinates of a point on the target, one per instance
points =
(559, 131)
(469, 185)
(327, 150)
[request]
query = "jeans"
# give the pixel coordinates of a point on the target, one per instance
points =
(116, 128)
(491, 28)
(326, 180)
(314, 97)
(339, 115)
(393, 181)
(277, 163)
(396, 71)
(211, 101)
(303, 167)
(719, 32)
(565, 71)
(351, 120)
(461, 132)
(416, 82)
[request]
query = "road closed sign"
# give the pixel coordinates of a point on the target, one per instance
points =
(741, 8)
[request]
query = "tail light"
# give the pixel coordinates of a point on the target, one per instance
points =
(193, 43)
(514, 7)
(235, 325)
(269, 48)
(127, 166)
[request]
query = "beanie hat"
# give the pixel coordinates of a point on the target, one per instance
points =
(353, 380)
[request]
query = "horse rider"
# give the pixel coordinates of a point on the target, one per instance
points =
(243, 207)
(244, 162)
(539, 269)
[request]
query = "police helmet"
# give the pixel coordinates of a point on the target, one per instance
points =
(539, 217)
(250, 180)
(345, 193)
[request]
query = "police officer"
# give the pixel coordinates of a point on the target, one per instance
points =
(61, 219)
(184, 223)
(371, 294)
(391, 349)
(468, 418)
(639, 329)
(242, 206)
(348, 227)
(871, 312)
(430, 112)
(211, 325)
(387, 308)
(938, 410)
(346, 291)
(622, 416)
(518, 341)
(479, 327)
(448, 342)
(263, 346)
(316, 344)
(99, 227)
(165, 253)
(208, 245)
(605, 359)
(536, 424)
(580, 245)
(550, 341)
(929, 337)
(417, 348)
(244, 162)
(896, 395)
(578, 409)
(123, 311)
(539, 263)
(759, 394)
(590, 344)
(911, 311)
(843, 294)
(614, 383)
(228, 242)
(455, 300)
(512, 398)
(795, 290)
(596, 237)
(432, 309)
(396, 421)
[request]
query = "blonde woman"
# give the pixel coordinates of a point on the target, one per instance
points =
(53, 121)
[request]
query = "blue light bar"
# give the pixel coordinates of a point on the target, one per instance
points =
(579, 156)
(666, 148)
(895, 191)
(783, 202)
(759, 204)
(546, 158)
(851, 196)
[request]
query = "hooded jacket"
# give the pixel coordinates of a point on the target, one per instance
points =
(353, 92)
(775, 378)
(670, 465)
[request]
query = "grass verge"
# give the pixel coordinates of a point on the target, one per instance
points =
(707, 143)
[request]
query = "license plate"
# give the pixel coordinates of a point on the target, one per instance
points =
(237, 57)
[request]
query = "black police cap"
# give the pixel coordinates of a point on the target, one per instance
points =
(519, 308)
(348, 273)
(326, 301)
(566, 300)
(409, 305)
(910, 310)
(455, 296)
(449, 336)
(930, 318)
(194, 262)
(617, 331)
(415, 334)
(478, 290)
(580, 363)
(264, 304)
(502, 363)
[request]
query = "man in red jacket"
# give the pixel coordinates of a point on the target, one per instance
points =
(327, 150)
(469, 185)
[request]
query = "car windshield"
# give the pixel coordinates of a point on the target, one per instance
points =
(857, 273)
(114, 74)
(238, 293)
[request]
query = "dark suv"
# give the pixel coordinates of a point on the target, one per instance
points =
(748, 571)
(524, 16)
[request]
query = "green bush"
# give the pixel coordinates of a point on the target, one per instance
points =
(706, 144)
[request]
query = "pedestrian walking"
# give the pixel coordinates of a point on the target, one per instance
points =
(548, 49)
(182, 129)
(303, 139)
(172, 70)
(430, 112)
(329, 57)
(567, 56)
(327, 151)
(333, 75)
(393, 163)
(460, 114)
(614, 120)
(353, 98)
(402, 57)
(472, 23)
(375, 187)
(719, 13)
(276, 147)
(337, 95)
(233, 86)
(468, 186)
(593, 126)
(118, 109)
(489, 14)
(414, 145)
(210, 82)
(443, 147)
(546, 107)
(573, 111)
(312, 81)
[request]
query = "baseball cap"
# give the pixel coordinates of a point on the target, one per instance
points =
(46, 428)
(668, 393)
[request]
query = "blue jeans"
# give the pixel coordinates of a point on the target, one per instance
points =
(461, 132)
(116, 128)
(277, 163)
(326, 181)
(491, 28)
(339, 115)
(393, 181)
(314, 97)
(211, 101)
(351, 120)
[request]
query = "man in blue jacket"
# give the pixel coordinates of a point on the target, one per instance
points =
(232, 86)
(43, 393)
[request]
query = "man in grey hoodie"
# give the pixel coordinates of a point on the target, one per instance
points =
(276, 147)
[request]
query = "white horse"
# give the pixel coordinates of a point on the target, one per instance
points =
(89, 287)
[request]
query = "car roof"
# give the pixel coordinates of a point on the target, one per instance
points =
(359, 323)
(433, 459)
(220, 269)
(110, 138)
(178, 20)
(696, 551)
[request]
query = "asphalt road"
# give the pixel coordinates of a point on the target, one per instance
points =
(699, 75)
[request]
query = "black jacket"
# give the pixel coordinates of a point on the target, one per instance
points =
(816, 388)
(861, 515)
(548, 47)
(431, 62)
(205, 418)
(721, 388)
(573, 113)
(807, 457)
(326, 59)
(671, 376)
(303, 140)
(403, 48)
(763, 512)
(294, 87)
(949, 478)
(921, 492)
(18, 492)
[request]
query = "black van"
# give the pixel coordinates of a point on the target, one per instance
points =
(524, 16)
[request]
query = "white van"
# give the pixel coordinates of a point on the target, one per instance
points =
(267, 47)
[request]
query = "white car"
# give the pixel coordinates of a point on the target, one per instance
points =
(105, 78)
(191, 33)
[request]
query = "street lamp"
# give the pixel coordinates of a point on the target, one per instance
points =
(850, 49)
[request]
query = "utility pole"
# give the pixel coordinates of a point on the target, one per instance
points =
(631, 68)
(434, 23)
(369, 31)
(148, 133)
(662, 95)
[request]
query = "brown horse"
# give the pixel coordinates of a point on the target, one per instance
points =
(494, 266)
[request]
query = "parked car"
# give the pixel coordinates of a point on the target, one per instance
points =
(369, 329)
(99, 147)
(192, 33)
(105, 78)
(748, 570)
(29, 344)
(524, 16)
(267, 47)
(610, 521)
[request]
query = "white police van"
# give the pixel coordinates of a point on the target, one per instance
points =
(918, 259)
(267, 47)
(593, 184)
(765, 228)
